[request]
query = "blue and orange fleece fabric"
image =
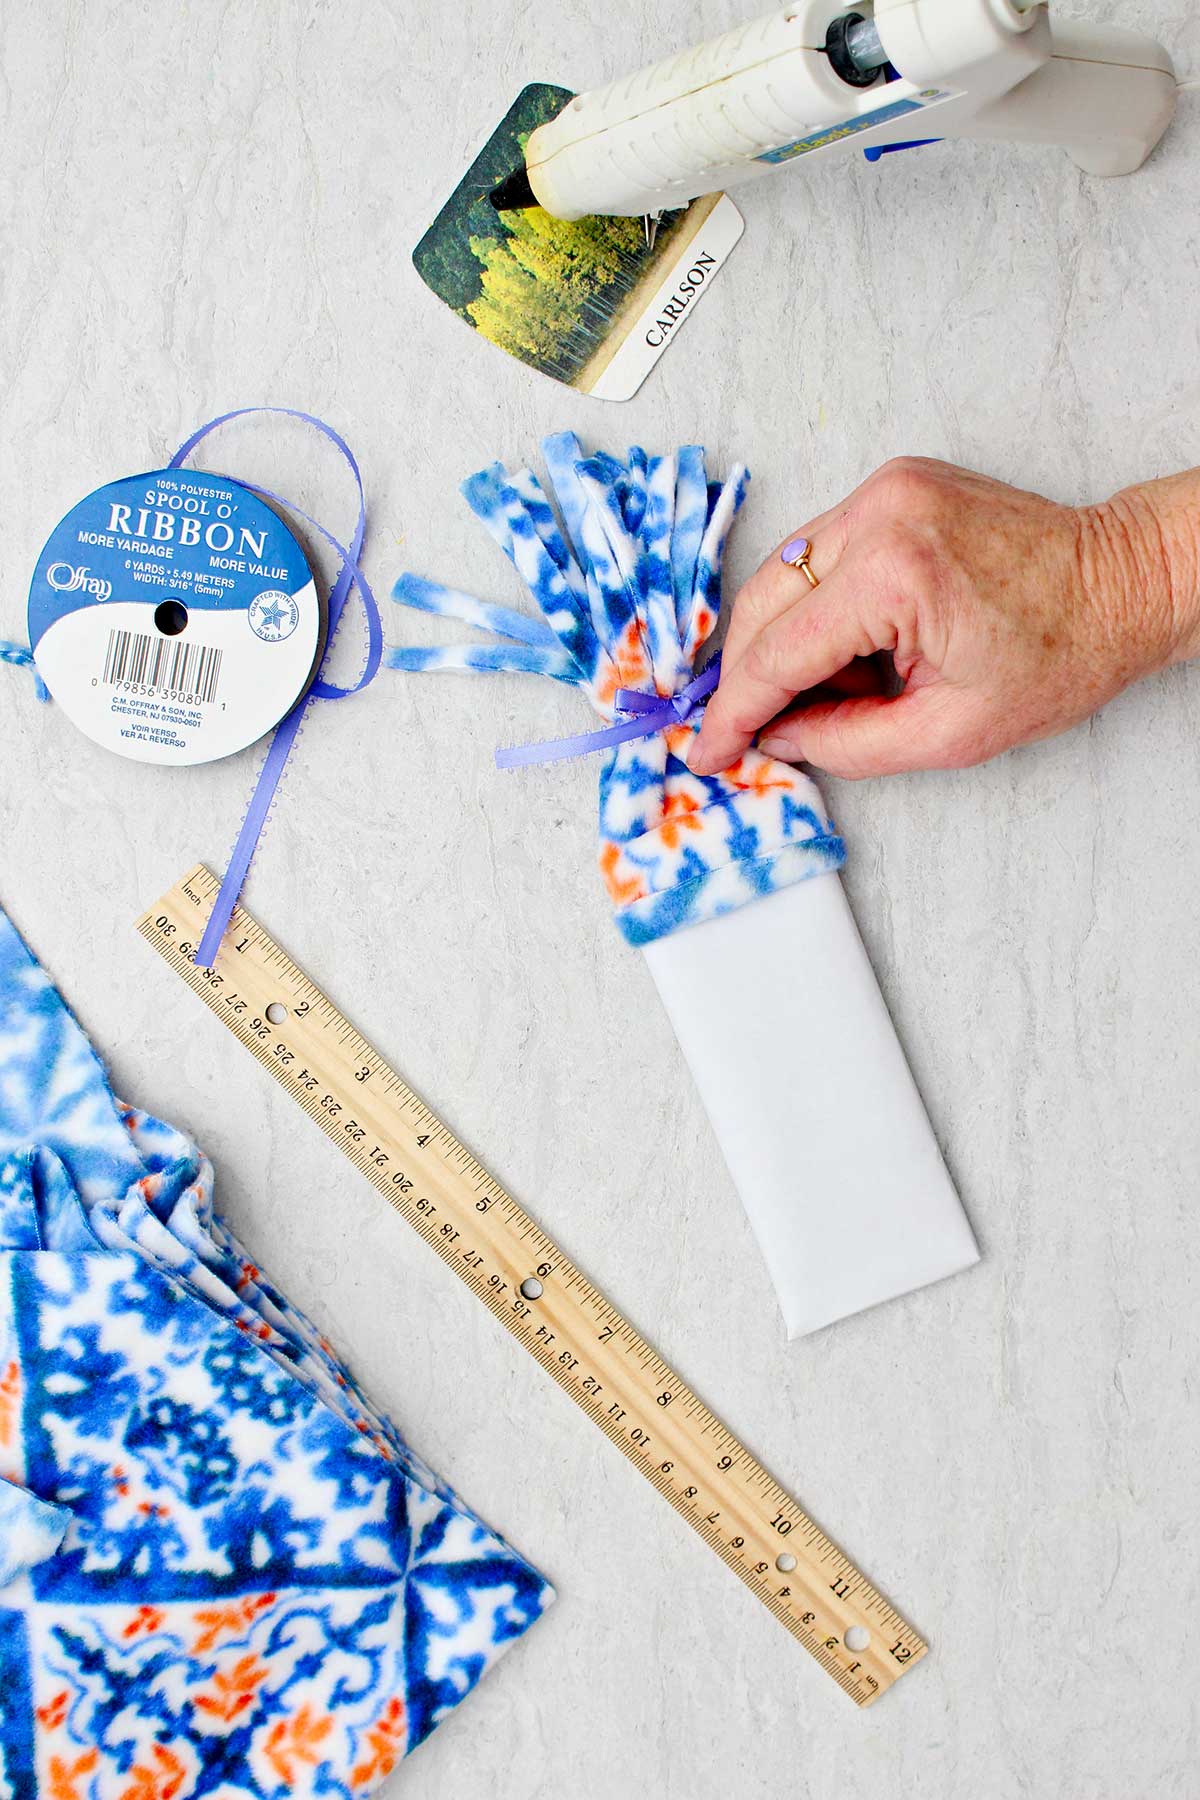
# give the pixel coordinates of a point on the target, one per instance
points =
(627, 577)
(222, 1571)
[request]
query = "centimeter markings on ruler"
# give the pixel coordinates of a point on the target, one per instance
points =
(538, 1294)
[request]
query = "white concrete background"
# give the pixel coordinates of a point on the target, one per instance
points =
(206, 206)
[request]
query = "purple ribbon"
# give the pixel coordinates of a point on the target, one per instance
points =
(349, 576)
(655, 712)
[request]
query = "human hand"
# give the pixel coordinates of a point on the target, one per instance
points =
(1007, 617)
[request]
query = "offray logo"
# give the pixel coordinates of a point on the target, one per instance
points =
(65, 579)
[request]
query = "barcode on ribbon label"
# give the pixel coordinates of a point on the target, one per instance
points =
(190, 671)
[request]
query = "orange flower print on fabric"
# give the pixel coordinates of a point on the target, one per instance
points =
(234, 1690)
(145, 1621)
(681, 813)
(633, 665)
(621, 889)
(10, 1404)
(627, 666)
(764, 776)
(216, 1622)
(159, 1779)
(54, 1712)
(385, 1740)
(65, 1780)
(295, 1743)
(705, 619)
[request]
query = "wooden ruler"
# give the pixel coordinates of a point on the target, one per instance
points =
(538, 1294)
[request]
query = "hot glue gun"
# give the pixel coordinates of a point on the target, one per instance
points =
(814, 77)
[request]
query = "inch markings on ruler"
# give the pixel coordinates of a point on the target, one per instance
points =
(536, 1292)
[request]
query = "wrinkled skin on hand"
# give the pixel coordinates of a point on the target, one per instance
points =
(1005, 616)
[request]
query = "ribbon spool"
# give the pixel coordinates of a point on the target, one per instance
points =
(174, 617)
(272, 622)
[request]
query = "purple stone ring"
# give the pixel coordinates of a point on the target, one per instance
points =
(796, 555)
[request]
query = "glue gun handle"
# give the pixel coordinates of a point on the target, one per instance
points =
(687, 125)
(727, 111)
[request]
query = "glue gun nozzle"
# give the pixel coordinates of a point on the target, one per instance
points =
(513, 194)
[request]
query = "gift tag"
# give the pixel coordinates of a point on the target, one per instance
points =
(173, 616)
(593, 304)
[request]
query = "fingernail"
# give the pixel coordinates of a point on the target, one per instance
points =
(775, 746)
(791, 552)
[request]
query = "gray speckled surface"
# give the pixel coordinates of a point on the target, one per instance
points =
(205, 206)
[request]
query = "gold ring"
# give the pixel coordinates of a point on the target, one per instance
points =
(797, 555)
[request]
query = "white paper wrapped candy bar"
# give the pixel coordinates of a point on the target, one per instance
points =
(779, 1015)
(760, 967)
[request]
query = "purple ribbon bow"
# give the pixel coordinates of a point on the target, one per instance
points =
(655, 712)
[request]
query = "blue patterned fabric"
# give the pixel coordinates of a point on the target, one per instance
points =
(629, 589)
(222, 1572)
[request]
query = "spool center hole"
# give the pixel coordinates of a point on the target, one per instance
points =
(171, 616)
